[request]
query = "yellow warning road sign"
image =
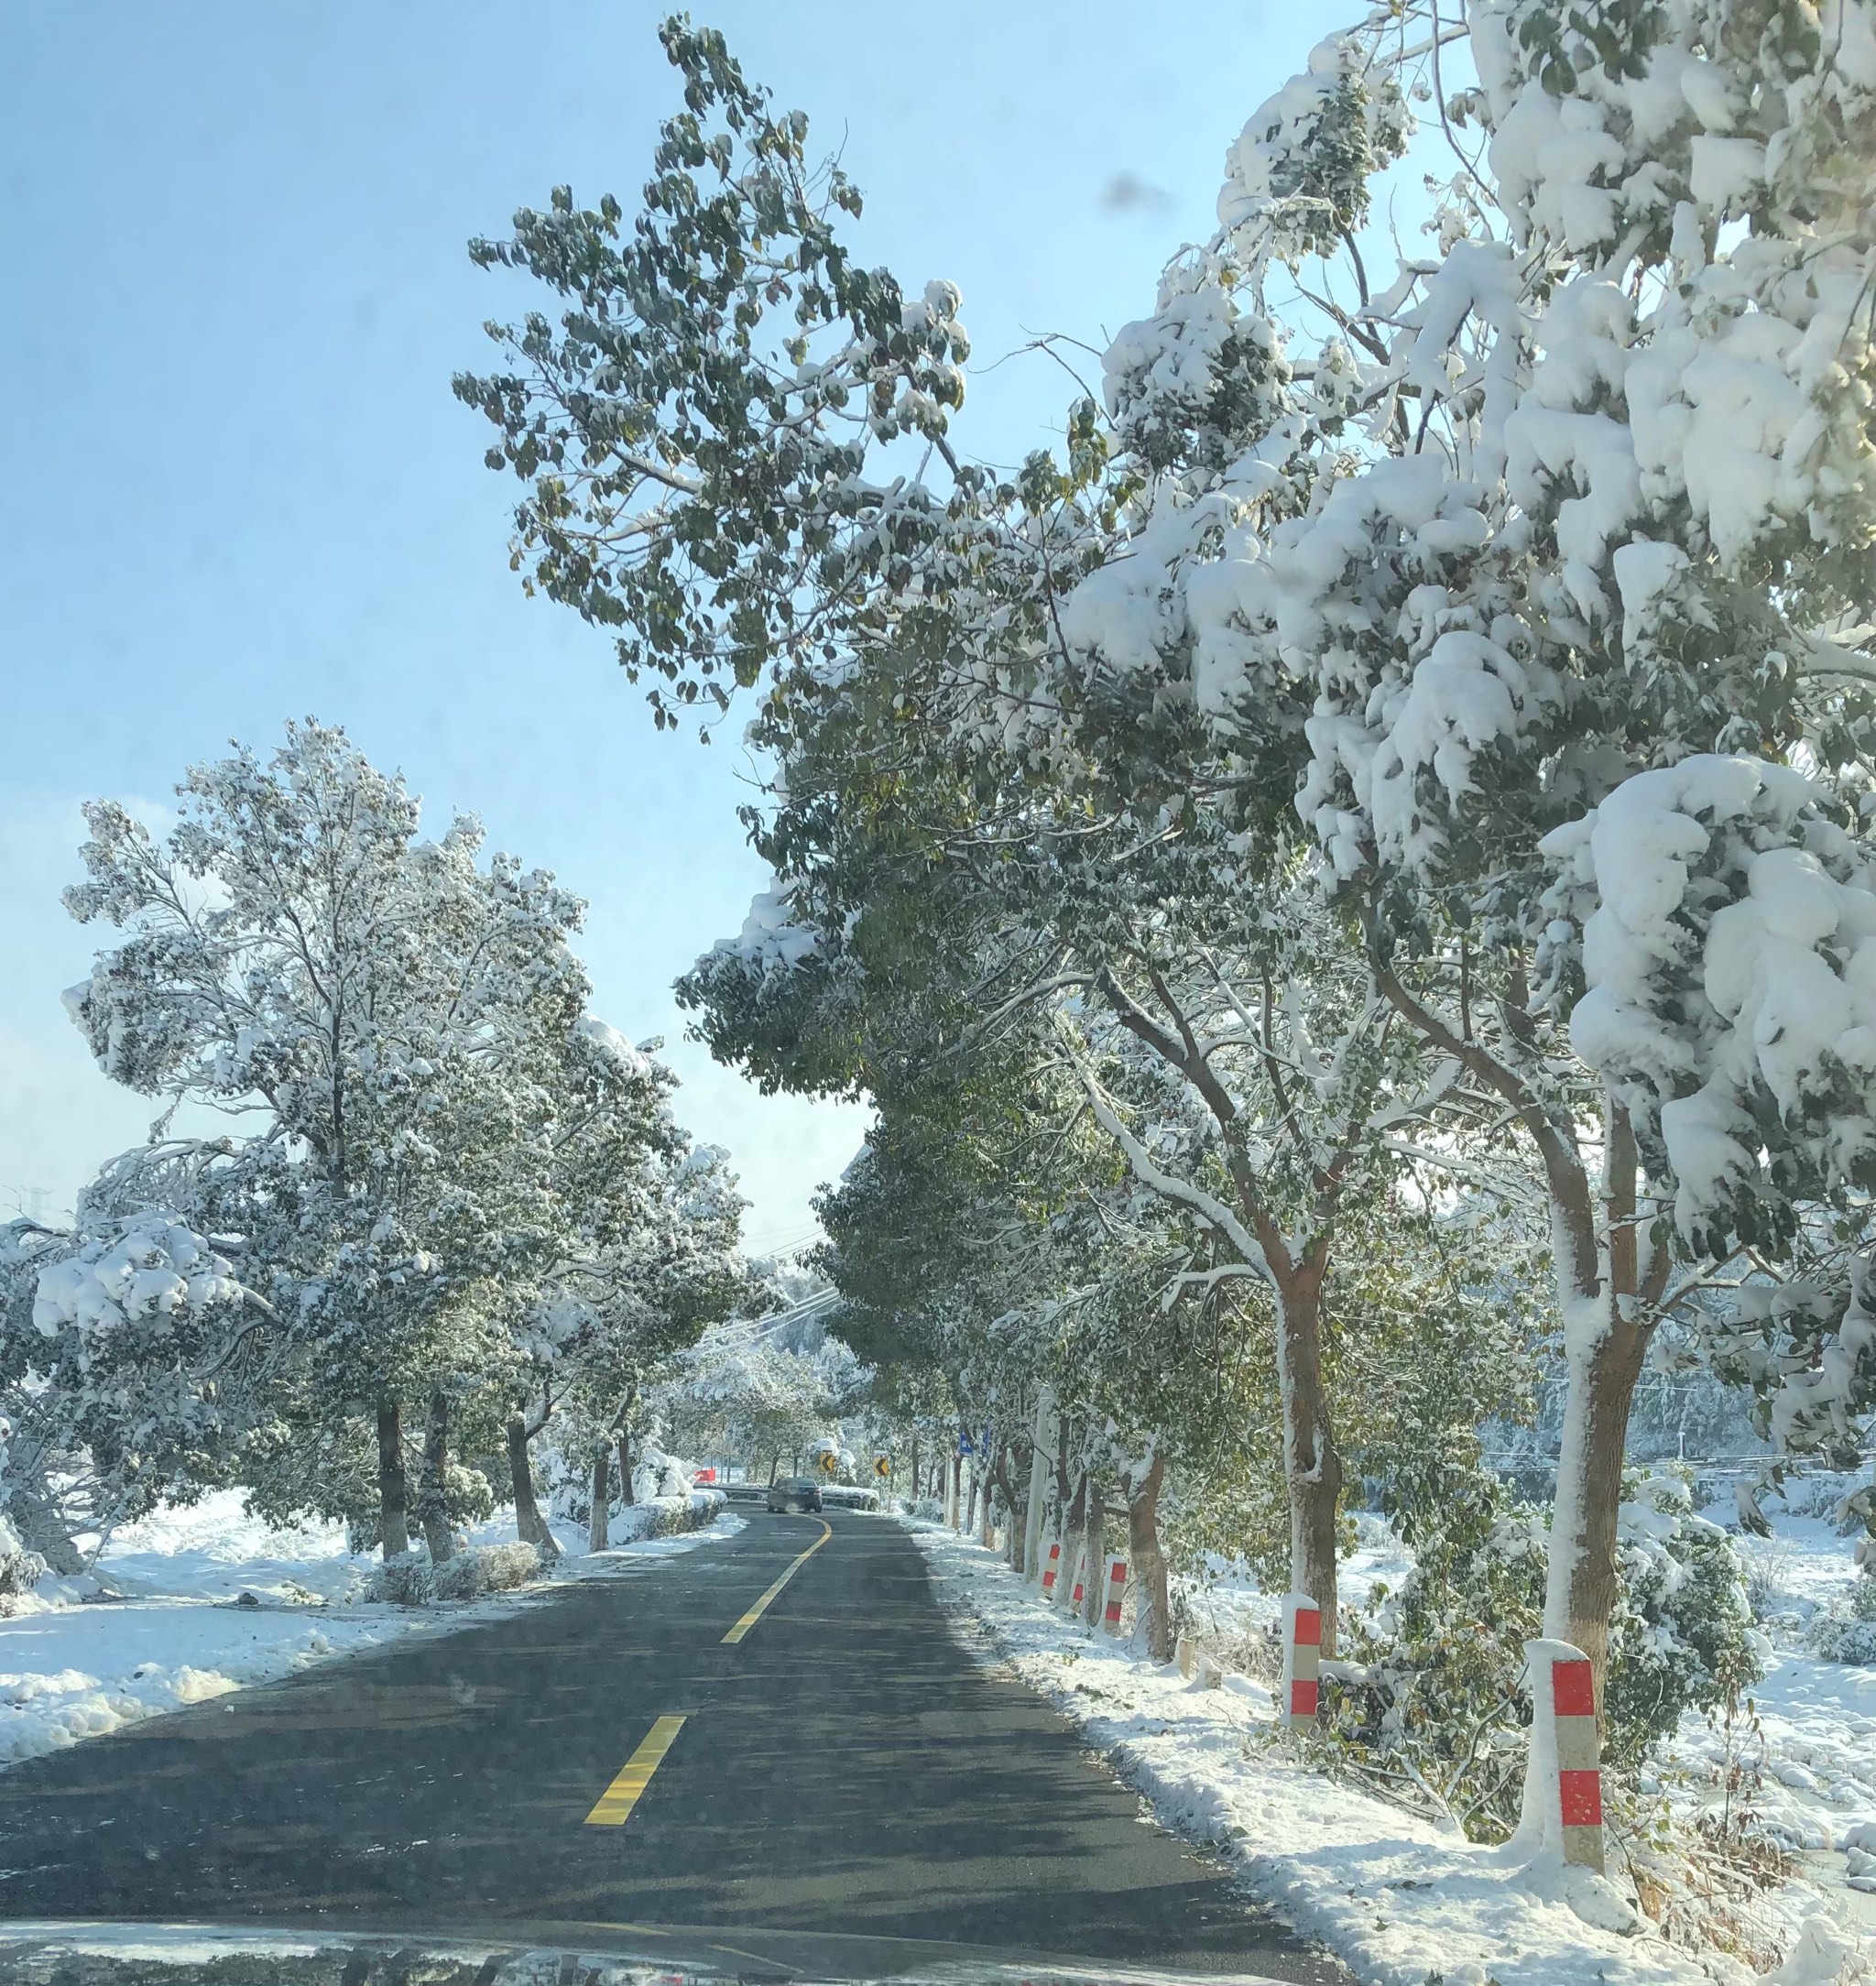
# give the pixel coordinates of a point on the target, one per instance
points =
(883, 1465)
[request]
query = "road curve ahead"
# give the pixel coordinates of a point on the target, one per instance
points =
(608, 1755)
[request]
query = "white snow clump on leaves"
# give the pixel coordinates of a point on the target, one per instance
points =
(153, 1266)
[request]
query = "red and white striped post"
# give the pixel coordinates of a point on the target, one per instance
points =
(1303, 1653)
(1081, 1574)
(1052, 1569)
(1117, 1589)
(1569, 1747)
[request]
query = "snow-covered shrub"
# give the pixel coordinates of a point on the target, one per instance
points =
(669, 1516)
(1846, 1630)
(486, 1568)
(411, 1580)
(657, 1474)
(405, 1581)
(928, 1510)
(1441, 1692)
(21, 1570)
(1683, 1636)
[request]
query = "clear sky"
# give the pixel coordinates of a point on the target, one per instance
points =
(236, 486)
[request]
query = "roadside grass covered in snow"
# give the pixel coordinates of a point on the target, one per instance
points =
(1399, 1897)
(194, 1603)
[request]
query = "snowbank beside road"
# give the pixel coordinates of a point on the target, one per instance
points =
(1397, 1898)
(213, 1600)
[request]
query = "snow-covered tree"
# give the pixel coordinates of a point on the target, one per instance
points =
(738, 1394)
(1512, 593)
(131, 1366)
(396, 1032)
(665, 1267)
(1592, 561)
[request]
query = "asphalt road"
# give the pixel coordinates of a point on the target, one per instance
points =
(845, 1772)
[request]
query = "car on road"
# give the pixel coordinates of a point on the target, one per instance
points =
(794, 1493)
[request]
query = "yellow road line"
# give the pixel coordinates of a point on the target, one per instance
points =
(762, 1605)
(615, 1804)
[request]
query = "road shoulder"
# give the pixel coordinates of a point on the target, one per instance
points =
(1394, 1897)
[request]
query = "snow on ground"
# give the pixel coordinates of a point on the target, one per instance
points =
(1232, 1610)
(75, 1664)
(1398, 1899)
(1812, 1763)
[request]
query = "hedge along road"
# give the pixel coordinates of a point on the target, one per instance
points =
(773, 1736)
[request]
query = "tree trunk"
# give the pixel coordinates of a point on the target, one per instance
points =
(915, 1468)
(1074, 1527)
(530, 1527)
(1313, 1469)
(1064, 1522)
(1582, 1576)
(626, 1495)
(970, 1502)
(1150, 1560)
(393, 1522)
(1030, 1566)
(1601, 1282)
(597, 1535)
(774, 1464)
(1094, 1551)
(432, 1507)
(1015, 1546)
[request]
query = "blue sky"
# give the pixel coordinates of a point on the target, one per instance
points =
(237, 488)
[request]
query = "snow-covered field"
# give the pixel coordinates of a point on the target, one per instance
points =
(1397, 1897)
(77, 1664)
(1813, 1759)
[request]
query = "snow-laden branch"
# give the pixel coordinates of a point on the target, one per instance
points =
(1168, 1185)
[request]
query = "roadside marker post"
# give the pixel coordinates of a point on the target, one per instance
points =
(1568, 1746)
(1302, 1651)
(1052, 1567)
(1117, 1589)
(1081, 1574)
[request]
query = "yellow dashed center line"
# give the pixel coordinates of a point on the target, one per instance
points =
(762, 1605)
(615, 1804)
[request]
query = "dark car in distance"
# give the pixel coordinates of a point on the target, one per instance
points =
(794, 1493)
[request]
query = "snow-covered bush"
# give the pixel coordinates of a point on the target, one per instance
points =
(1683, 1636)
(672, 1516)
(1846, 1630)
(21, 1570)
(1442, 1695)
(410, 1579)
(658, 1475)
